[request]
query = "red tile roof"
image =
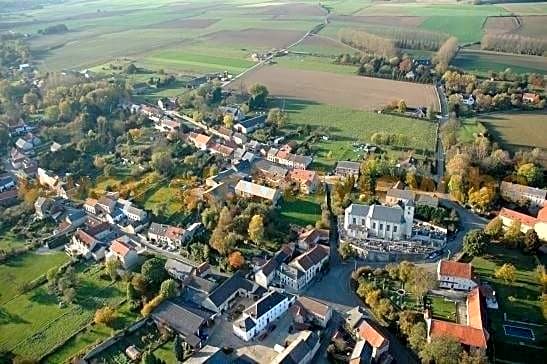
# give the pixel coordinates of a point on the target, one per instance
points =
(455, 269)
(302, 175)
(174, 233)
(515, 215)
(371, 335)
(542, 214)
(120, 248)
(85, 238)
(473, 334)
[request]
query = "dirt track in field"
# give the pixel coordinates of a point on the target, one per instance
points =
(355, 92)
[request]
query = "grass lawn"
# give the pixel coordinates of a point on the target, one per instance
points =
(519, 300)
(345, 126)
(9, 241)
(33, 323)
(164, 200)
(442, 308)
(515, 130)
(91, 336)
(166, 352)
(25, 268)
(481, 63)
(302, 210)
(469, 129)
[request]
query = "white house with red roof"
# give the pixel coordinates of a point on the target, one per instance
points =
(307, 181)
(85, 245)
(376, 339)
(471, 334)
(455, 275)
(122, 250)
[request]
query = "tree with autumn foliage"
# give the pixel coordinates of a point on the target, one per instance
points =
(256, 228)
(236, 259)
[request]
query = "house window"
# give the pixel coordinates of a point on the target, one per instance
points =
(381, 226)
(388, 227)
(374, 225)
(362, 221)
(354, 221)
(394, 228)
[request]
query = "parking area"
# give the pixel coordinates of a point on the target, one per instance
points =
(259, 351)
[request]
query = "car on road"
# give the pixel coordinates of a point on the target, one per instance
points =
(435, 255)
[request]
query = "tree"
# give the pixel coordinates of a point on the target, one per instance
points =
(507, 272)
(69, 295)
(105, 316)
(162, 163)
(153, 271)
(259, 95)
(177, 347)
(228, 121)
(441, 350)
(218, 239)
(149, 358)
(236, 260)
(482, 198)
(532, 174)
(277, 117)
(421, 282)
(475, 242)
(531, 241)
(405, 271)
(131, 293)
(111, 266)
(256, 228)
(346, 251)
(150, 306)
(494, 228)
(401, 106)
(410, 180)
(139, 283)
(407, 320)
(475, 357)
(168, 288)
(417, 337)
(513, 234)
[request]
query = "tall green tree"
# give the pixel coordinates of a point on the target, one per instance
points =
(153, 271)
(475, 242)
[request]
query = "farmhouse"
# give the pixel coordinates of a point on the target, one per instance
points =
(455, 275)
(530, 98)
(52, 182)
(376, 339)
(250, 189)
(178, 270)
(7, 182)
(301, 350)
(308, 238)
(256, 317)
(472, 333)
(347, 168)
(187, 321)
(520, 193)
(362, 353)
(271, 172)
(395, 195)
(391, 223)
(222, 297)
(85, 245)
(299, 272)
(267, 272)
(249, 125)
(309, 310)
(172, 235)
(200, 141)
(538, 224)
(123, 250)
(307, 181)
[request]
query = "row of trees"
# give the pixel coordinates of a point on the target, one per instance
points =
(445, 54)
(368, 42)
(514, 43)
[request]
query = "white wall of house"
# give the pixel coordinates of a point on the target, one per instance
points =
(262, 279)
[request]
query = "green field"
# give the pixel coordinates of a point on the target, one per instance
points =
(345, 126)
(517, 130)
(519, 300)
(33, 323)
(302, 210)
(469, 130)
(9, 241)
(442, 309)
(482, 62)
(25, 268)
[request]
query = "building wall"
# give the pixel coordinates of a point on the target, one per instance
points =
(263, 321)
(458, 283)
(262, 279)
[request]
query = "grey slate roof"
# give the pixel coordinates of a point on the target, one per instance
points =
(348, 165)
(180, 318)
(228, 288)
(201, 284)
(389, 214)
(265, 304)
(359, 210)
(400, 194)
